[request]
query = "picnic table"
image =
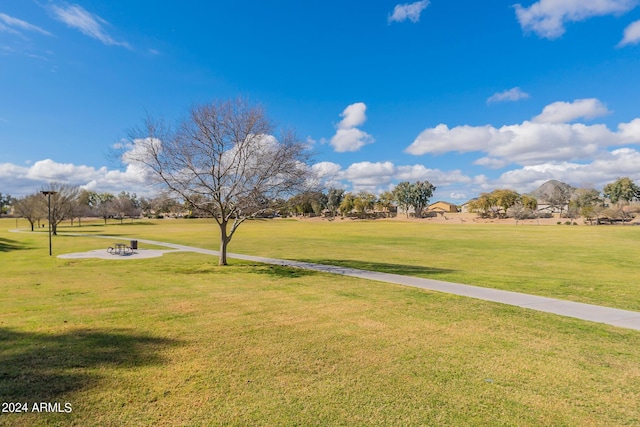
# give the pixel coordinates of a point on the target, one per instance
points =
(119, 249)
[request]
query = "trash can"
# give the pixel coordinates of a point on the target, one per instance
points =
(134, 244)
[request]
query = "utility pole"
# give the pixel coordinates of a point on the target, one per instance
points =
(48, 194)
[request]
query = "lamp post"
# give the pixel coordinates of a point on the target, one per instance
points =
(48, 194)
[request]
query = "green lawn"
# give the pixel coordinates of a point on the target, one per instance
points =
(595, 265)
(178, 340)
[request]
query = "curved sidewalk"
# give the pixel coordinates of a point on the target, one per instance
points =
(594, 313)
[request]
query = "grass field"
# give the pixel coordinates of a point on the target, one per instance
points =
(178, 340)
(595, 265)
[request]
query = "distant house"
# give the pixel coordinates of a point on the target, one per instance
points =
(443, 207)
(547, 208)
(464, 208)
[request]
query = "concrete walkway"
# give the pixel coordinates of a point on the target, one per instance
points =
(593, 313)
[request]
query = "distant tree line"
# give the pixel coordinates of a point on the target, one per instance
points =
(504, 203)
(617, 202)
(71, 203)
(335, 201)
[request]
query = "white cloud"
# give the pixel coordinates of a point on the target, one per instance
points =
(410, 11)
(565, 112)
(548, 17)
(326, 169)
(513, 94)
(527, 143)
(14, 25)
(462, 139)
(348, 137)
(531, 143)
(87, 23)
(435, 176)
(491, 163)
(630, 132)
(326, 174)
(350, 140)
(23, 180)
(353, 116)
(380, 176)
(138, 149)
(50, 171)
(368, 175)
(606, 168)
(458, 196)
(631, 34)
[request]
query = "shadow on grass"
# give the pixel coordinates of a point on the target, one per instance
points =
(382, 267)
(81, 229)
(126, 222)
(281, 271)
(7, 245)
(43, 367)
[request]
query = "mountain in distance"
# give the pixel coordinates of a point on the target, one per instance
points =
(546, 192)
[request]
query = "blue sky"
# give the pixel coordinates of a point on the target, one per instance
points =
(469, 95)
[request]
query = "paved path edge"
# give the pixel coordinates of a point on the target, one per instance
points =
(594, 313)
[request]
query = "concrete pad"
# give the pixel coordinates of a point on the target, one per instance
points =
(103, 254)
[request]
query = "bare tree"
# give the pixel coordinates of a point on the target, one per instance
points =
(102, 204)
(32, 208)
(126, 205)
(224, 160)
(83, 207)
(63, 203)
(586, 202)
(519, 211)
(560, 197)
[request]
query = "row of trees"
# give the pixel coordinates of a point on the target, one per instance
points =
(70, 203)
(615, 202)
(502, 203)
(405, 196)
(34, 207)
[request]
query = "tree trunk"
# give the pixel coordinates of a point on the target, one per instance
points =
(224, 241)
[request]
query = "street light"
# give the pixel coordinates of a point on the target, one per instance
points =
(48, 194)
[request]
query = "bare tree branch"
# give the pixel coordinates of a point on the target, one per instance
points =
(224, 159)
